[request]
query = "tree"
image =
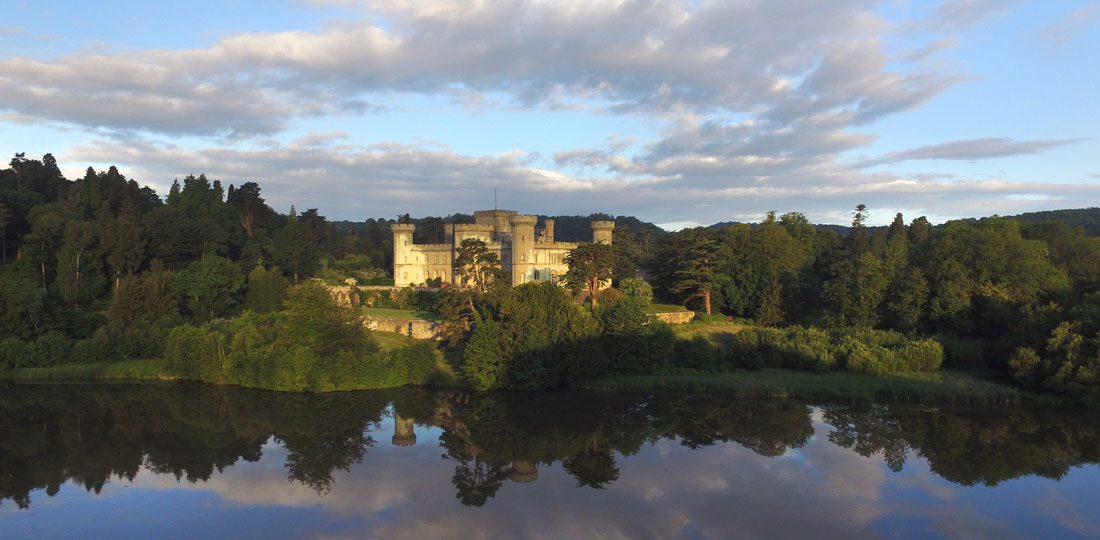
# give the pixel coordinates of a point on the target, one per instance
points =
(79, 264)
(590, 264)
(697, 272)
(248, 202)
(858, 242)
(475, 265)
(122, 240)
(294, 249)
(317, 323)
(266, 290)
(210, 286)
(483, 358)
(5, 219)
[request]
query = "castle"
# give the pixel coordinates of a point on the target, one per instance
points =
(525, 253)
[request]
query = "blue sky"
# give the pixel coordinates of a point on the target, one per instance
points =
(679, 113)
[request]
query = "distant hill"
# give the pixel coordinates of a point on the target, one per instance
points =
(1087, 218)
(578, 228)
(842, 230)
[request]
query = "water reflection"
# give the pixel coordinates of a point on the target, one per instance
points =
(618, 450)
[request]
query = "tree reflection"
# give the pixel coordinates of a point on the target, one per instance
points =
(594, 466)
(89, 433)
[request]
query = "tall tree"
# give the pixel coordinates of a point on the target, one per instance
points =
(697, 273)
(121, 238)
(248, 202)
(590, 264)
(475, 265)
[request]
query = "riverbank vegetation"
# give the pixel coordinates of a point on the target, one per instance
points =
(213, 284)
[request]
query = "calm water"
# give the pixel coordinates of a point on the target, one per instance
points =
(190, 461)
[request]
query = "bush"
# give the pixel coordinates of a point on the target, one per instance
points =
(608, 297)
(92, 350)
(416, 362)
(637, 290)
(921, 355)
(696, 353)
(52, 349)
(14, 353)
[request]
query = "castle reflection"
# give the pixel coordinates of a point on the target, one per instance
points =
(88, 433)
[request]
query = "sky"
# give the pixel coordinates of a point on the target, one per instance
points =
(681, 113)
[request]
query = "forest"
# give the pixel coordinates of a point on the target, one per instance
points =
(226, 289)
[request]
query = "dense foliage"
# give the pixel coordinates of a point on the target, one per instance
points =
(101, 269)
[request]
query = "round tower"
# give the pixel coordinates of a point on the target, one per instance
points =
(403, 434)
(601, 231)
(405, 269)
(523, 472)
(523, 247)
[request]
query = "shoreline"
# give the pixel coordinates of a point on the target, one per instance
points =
(947, 387)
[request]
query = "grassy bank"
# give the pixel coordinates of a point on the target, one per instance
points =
(942, 387)
(129, 369)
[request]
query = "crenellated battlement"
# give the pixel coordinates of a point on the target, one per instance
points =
(526, 253)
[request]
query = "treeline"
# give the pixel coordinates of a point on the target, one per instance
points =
(101, 269)
(1017, 299)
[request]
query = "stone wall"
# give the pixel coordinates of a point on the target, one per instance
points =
(414, 328)
(675, 317)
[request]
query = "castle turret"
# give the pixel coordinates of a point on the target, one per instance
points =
(406, 271)
(601, 231)
(547, 231)
(523, 472)
(403, 434)
(523, 247)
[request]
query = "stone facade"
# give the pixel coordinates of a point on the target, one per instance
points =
(526, 253)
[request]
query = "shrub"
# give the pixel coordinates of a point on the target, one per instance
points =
(696, 353)
(416, 362)
(608, 297)
(52, 349)
(14, 353)
(638, 290)
(92, 350)
(1025, 367)
(921, 355)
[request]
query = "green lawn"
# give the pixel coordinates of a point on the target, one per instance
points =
(718, 333)
(390, 341)
(402, 313)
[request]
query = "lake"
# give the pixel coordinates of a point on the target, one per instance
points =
(174, 460)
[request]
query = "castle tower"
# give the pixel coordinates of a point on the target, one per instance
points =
(523, 472)
(548, 231)
(523, 247)
(601, 231)
(403, 434)
(406, 271)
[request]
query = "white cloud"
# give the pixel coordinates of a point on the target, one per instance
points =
(970, 149)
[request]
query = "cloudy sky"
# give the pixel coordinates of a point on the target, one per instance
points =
(679, 113)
